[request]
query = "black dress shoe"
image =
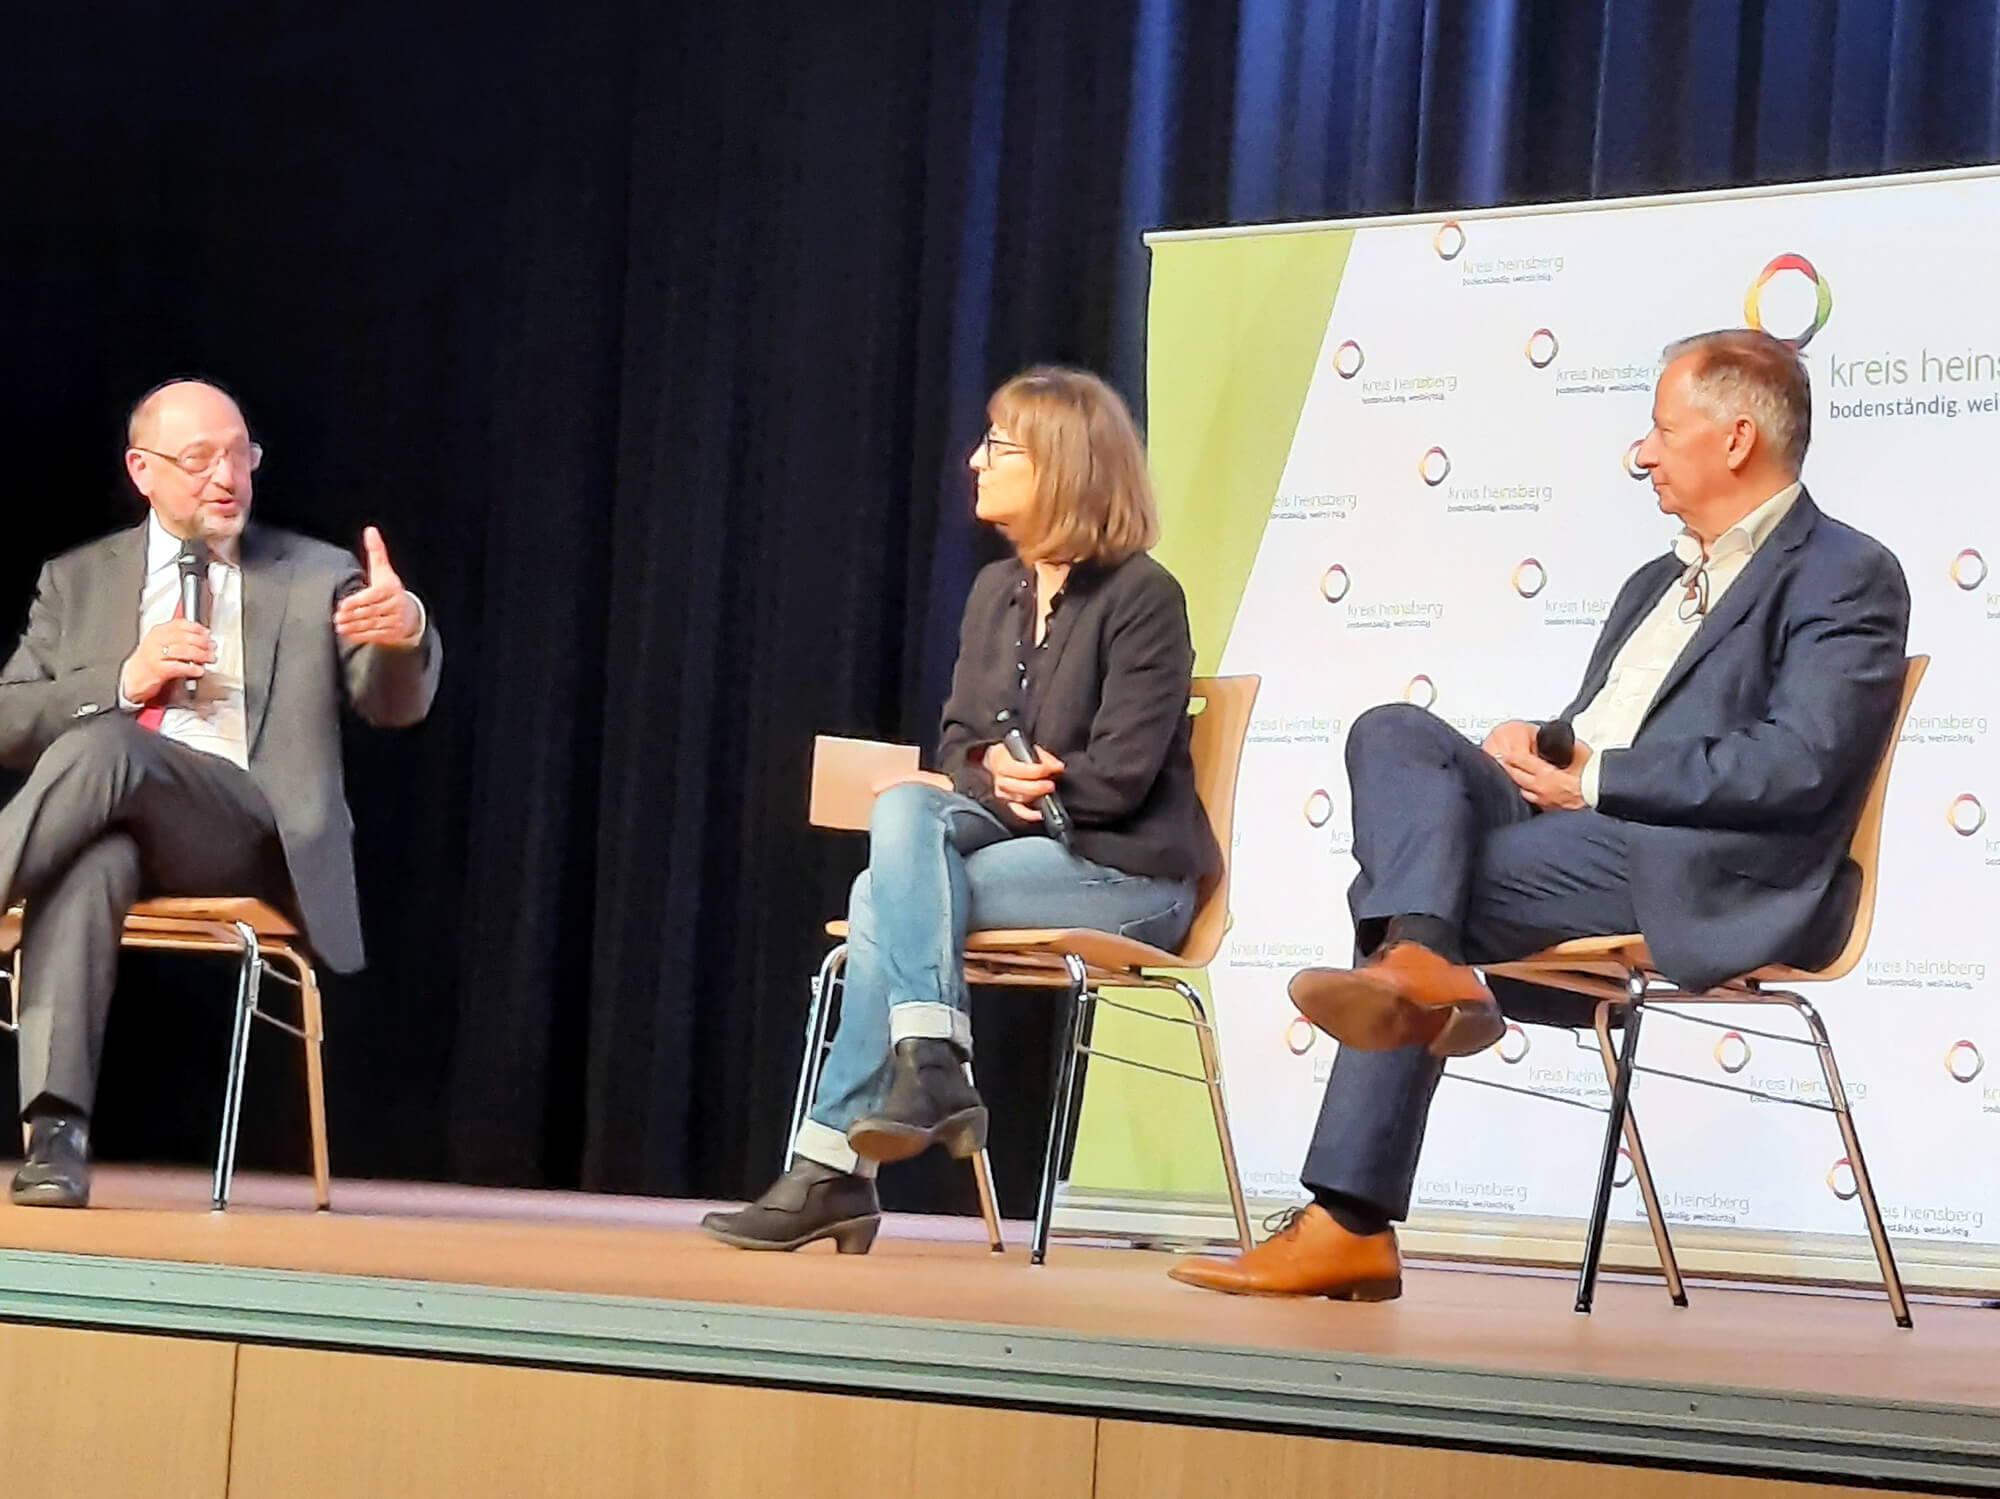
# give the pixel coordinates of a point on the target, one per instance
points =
(929, 1103)
(56, 1173)
(808, 1203)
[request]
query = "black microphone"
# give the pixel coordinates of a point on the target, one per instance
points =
(193, 563)
(1016, 742)
(1555, 742)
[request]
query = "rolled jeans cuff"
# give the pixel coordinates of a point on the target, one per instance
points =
(828, 1147)
(927, 1020)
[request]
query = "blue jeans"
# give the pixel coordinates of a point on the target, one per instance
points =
(940, 865)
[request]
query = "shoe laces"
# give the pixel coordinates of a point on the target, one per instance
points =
(1282, 1222)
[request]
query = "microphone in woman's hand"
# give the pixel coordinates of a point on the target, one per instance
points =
(1555, 742)
(1016, 744)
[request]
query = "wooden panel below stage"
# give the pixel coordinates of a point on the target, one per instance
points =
(86, 1413)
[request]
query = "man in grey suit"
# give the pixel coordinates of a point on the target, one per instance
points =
(172, 755)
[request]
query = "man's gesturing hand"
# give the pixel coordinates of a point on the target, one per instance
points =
(171, 652)
(383, 613)
(1542, 784)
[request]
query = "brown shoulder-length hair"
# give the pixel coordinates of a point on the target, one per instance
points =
(1093, 496)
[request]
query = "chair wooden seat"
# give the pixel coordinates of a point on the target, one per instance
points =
(259, 936)
(1079, 961)
(1619, 972)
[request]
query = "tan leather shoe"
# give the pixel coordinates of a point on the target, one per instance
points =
(1407, 996)
(1310, 1255)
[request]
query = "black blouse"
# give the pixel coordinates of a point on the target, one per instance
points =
(1106, 693)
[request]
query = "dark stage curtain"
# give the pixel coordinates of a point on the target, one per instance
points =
(655, 336)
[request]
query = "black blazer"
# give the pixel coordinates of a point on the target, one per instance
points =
(1108, 696)
(1746, 779)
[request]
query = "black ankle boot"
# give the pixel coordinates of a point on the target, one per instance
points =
(56, 1173)
(929, 1103)
(808, 1203)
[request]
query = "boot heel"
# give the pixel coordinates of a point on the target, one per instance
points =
(1369, 1290)
(857, 1237)
(963, 1135)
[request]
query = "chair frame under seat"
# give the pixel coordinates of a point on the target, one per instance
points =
(1618, 972)
(264, 944)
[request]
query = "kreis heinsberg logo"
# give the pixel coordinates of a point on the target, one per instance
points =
(1449, 240)
(1434, 467)
(1512, 1045)
(1422, 691)
(1299, 1036)
(1542, 348)
(1732, 1053)
(1840, 1180)
(1964, 1062)
(1334, 583)
(1530, 578)
(1319, 809)
(1348, 359)
(1966, 815)
(1760, 300)
(1632, 468)
(1968, 569)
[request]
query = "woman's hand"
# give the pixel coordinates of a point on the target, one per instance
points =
(1020, 783)
(921, 777)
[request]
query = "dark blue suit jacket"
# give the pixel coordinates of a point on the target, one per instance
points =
(1746, 779)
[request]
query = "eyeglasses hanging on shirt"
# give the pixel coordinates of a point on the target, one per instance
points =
(1694, 594)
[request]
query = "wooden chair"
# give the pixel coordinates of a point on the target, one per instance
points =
(1618, 972)
(1080, 962)
(260, 938)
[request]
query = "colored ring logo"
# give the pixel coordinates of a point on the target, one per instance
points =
(1530, 578)
(1964, 1062)
(1632, 468)
(1434, 467)
(1334, 583)
(1622, 1175)
(1822, 299)
(1299, 1036)
(1542, 348)
(1968, 569)
(1512, 1045)
(1348, 359)
(1840, 1180)
(1732, 1053)
(1449, 240)
(1319, 809)
(1966, 815)
(1422, 691)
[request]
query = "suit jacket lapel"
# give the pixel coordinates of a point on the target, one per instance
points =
(116, 629)
(266, 573)
(1752, 584)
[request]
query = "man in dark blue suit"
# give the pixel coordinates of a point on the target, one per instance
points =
(1741, 694)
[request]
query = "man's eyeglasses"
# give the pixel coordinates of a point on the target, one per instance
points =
(201, 460)
(991, 447)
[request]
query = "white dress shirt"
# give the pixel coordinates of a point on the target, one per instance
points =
(215, 722)
(1612, 719)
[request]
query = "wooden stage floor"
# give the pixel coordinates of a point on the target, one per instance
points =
(1786, 1342)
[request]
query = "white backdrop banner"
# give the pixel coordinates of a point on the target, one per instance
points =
(1456, 510)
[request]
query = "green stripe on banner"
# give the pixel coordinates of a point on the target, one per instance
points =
(1235, 326)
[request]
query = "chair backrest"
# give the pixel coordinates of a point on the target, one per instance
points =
(1865, 848)
(1221, 708)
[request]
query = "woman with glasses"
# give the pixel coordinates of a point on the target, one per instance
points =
(1083, 640)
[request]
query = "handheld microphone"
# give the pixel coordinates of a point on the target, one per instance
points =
(1555, 742)
(193, 565)
(1052, 810)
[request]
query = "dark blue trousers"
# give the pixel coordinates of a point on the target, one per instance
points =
(1440, 830)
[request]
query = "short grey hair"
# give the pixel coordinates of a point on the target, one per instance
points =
(1747, 372)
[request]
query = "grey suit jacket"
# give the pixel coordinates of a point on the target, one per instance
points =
(84, 622)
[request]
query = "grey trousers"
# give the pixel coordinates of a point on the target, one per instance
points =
(111, 813)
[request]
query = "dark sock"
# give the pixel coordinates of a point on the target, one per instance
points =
(49, 1106)
(1355, 1214)
(1433, 932)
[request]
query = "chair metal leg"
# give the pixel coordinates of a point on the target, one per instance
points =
(314, 1026)
(1063, 1107)
(1663, 1244)
(1885, 1256)
(1614, 1128)
(982, 1177)
(1211, 1071)
(819, 1014)
(239, 1058)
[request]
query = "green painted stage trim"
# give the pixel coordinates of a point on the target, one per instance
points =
(1323, 1394)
